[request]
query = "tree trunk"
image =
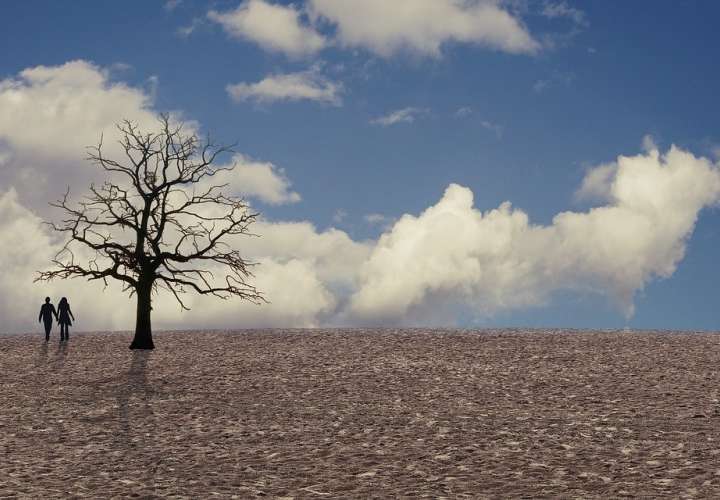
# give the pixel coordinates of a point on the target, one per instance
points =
(143, 330)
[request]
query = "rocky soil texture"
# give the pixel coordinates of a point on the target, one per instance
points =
(362, 414)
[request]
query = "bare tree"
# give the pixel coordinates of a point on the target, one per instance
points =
(158, 223)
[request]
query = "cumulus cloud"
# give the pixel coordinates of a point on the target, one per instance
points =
(498, 260)
(405, 115)
(296, 298)
(26, 245)
(423, 26)
(297, 270)
(274, 27)
(65, 108)
(305, 85)
(450, 255)
(597, 183)
(256, 179)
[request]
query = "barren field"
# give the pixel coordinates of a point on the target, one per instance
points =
(362, 414)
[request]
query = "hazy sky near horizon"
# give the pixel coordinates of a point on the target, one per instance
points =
(416, 162)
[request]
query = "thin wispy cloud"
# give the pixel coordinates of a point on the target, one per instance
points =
(171, 5)
(463, 112)
(493, 127)
(557, 79)
(186, 31)
(375, 218)
(557, 10)
(405, 115)
(339, 215)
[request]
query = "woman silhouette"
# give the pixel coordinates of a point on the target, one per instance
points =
(64, 315)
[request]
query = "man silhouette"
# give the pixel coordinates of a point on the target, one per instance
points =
(47, 311)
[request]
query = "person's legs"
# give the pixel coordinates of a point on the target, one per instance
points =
(48, 327)
(63, 327)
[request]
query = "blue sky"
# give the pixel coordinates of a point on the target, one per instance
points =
(523, 123)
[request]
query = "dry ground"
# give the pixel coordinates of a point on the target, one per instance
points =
(362, 414)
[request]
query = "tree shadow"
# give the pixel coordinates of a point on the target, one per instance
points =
(136, 385)
(135, 432)
(132, 420)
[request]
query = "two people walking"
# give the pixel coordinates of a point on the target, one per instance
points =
(62, 315)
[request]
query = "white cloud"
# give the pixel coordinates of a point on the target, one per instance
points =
(405, 115)
(597, 184)
(273, 27)
(297, 298)
(451, 253)
(63, 109)
(495, 261)
(262, 180)
(298, 267)
(305, 274)
(305, 85)
(26, 247)
(423, 26)
(335, 255)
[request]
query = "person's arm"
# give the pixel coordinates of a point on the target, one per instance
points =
(54, 313)
(40, 317)
(71, 314)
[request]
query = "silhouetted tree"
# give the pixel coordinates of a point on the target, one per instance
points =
(158, 223)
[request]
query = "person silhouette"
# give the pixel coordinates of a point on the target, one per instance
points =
(64, 314)
(47, 311)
